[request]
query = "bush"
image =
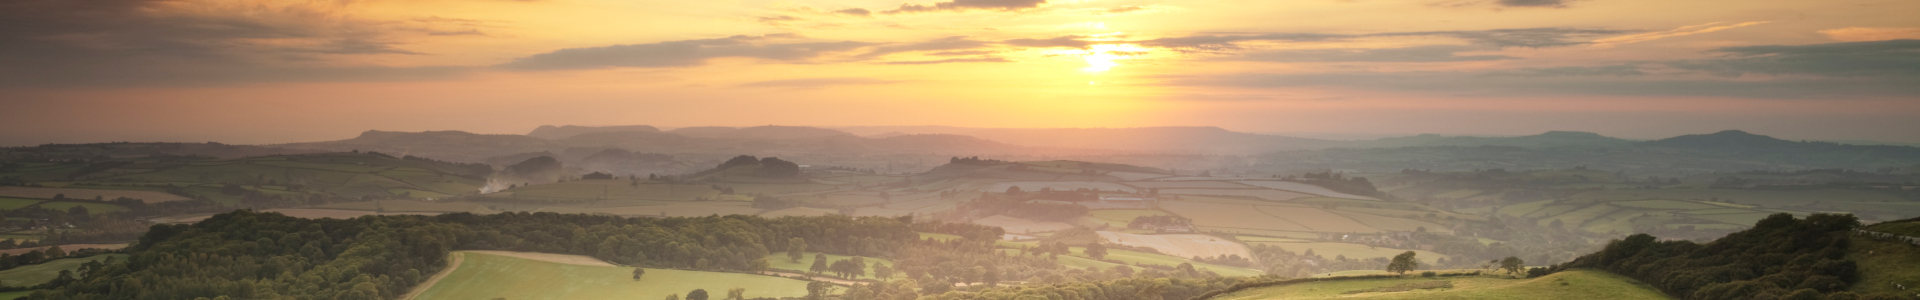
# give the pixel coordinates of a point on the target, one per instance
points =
(1426, 274)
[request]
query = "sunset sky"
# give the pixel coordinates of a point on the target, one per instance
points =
(245, 71)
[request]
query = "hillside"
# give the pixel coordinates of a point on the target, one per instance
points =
(1570, 285)
(1781, 256)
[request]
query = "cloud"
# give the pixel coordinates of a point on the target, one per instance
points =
(1864, 34)
(1682, 31)
(1432, 53)
(1125, 9)
(679, 53)
(457, 32)
(1534, 3)
(778, 19)
(941, 44)
(820, 82)
(1892, 58)
(855, 12)
(1503, 38)
(1880, 68)
(945, 61)
(962, 53)
(1068, 41)
(138, 42)
(962, 5)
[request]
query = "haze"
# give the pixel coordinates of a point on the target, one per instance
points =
(287, 71)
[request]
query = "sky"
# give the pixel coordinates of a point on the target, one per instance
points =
(274, 71)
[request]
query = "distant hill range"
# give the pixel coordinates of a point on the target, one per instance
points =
(1723, 151)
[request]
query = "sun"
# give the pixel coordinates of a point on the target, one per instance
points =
(1100, 58)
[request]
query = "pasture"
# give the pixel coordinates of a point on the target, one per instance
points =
(17, 203)
(491, 276)
(1303, 188)
(1568, 285)
(1273, 195)
(1181, 245)
(49, 193)
(29, 275)
(1018, 225)
(1352, 251)
(410, 206)
(1060, 186)
(1230, 216)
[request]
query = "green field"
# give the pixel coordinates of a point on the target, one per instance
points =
(1885, 261)
(1568, 285)
(17, 203)
(41, 273)
(14, 295)
(779, 261)
(1352, 251)
(485, 276)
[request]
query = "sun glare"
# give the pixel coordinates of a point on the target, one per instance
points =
(1101, 57)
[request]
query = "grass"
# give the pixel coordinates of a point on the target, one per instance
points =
(779, 261)
(485, 276)
(1882, 262)
(1352, 251)
(17, 203)
(1568, 285)
(1136, 258)
(29, 275)
(1118, 218)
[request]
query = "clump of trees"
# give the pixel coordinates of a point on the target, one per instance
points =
(252, 255)
(1779, 257)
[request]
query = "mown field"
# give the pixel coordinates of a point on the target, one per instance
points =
(1569, 285)
(487, 276)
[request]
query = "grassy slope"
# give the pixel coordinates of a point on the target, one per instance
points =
(1580, 284)
(41, 273)
(483, 276)
(1884, 262)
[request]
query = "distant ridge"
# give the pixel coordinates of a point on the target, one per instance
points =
(1550, 139)
(1722, 140)
(560, 132)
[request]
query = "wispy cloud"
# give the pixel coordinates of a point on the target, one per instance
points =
(681, 53)
(811, 83)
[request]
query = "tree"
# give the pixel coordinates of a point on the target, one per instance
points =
(881, 271)
(738, 293)
(697, 294)
(637, 272)
(1403, 263)
(1513, 265)
(796, 249)
(819, 264)
(673, 296)
(1096, 251)
(55, 252)
(816, 290)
